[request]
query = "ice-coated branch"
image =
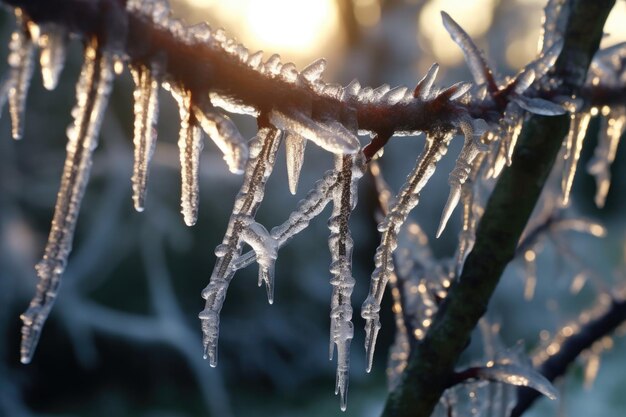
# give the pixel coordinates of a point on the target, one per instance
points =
(508, 209)
(350, 170)
(571, 343)
(92, 94)
(262, 157)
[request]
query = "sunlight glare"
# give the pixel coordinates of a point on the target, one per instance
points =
(288, 24)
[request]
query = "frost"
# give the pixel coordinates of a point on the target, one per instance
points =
(21, 55)
(146, 110)
(92, 93)
(258, 169)
(435, 147)
(573, 146)
(223, 132)
(329, 135)
(190, 146)
(294, 153)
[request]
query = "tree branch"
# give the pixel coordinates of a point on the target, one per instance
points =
(506, 214)
(556, 365)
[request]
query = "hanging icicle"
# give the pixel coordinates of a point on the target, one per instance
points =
(92, 94)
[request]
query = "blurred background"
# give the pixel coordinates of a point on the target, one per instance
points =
(124, 338)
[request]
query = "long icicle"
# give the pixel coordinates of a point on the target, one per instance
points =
(92, 93)
(435, 147)
(340, 244)
(258, 169)
(146, 110)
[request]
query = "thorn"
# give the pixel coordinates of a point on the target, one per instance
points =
(453, 200)
(424, 86)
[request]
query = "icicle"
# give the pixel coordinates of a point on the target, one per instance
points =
(146, 109)
(266, 250)
(471, 214)
(52, 41)
(340, 244)
(21, 53)
(611, 129)
(92, 93)
(258, 169)
(521, 376)
(314, 71)
(408, 197)
(190, 146)
(573, 146)
(294, 152)
(475, 61)
(307, 209)
(223, 133)
(473, 131)
(329, 135)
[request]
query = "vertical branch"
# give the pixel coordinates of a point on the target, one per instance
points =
(509, 208)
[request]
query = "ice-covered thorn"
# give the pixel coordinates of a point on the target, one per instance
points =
(380, 92)
(424, 87)
(394, 95)
(294, 153)
(330, 135)
(352, 89)
(539, 106)
(255, 59)
(273, 65)
(455, 91)
(475, 61)
(53, 42)
(314, 70)
(289, 73)
(223, 132)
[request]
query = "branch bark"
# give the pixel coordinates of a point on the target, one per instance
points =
(432, 363)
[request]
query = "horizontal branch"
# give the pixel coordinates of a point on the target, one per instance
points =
(432, 363)
(210, 64)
